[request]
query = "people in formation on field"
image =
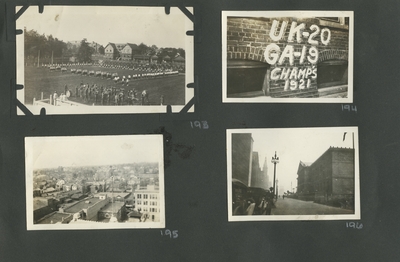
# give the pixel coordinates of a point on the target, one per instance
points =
(145, 97)
(162, 100)
(55, 97)
(111, 95)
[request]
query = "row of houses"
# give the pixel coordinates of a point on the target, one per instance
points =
(131, 52)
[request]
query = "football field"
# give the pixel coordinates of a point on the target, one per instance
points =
(41, 79)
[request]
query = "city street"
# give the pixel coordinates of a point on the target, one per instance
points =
(289, 206)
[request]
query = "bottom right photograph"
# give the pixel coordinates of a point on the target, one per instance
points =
(293, 174)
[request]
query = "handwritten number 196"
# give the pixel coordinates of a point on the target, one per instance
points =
(354, 225)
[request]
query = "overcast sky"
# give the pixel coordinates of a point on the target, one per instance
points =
(293, 145)
(150, 26)
(49, 152)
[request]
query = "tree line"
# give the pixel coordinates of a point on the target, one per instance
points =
(48, 47)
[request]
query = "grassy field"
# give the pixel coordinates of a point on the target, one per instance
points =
(41, 79)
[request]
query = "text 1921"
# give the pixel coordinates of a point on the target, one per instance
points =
(170, 233)
(354, 225)
(294, 84)
(349, 108)
(199, 124)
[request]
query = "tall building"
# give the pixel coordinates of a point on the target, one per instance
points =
(265, 174)
(258, 178)
(148, 201)
(329, 179)
(242, 157)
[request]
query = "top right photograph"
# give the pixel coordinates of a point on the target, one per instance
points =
(287, 56)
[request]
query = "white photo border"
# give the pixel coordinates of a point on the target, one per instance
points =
(241, 218)
(29, 167)
(153, 10)
(271, 14)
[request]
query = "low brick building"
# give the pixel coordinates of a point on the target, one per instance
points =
(86, 209)
(43, 206)
(116, 209)
(56, 218)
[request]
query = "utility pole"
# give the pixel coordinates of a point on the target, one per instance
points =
(275, 160)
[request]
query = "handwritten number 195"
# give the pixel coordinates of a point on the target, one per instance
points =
(171, 234)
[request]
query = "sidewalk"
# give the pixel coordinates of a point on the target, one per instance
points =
(289, 206)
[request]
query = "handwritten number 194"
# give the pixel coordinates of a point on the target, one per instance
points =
(349, 108)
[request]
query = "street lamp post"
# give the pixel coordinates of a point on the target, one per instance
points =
(275, 160)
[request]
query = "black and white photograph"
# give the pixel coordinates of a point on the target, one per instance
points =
(94, 182)
(287, 56)
(104, 59)
(293, 174)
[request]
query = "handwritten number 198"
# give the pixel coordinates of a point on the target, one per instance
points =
(199, 124)
(171, 234)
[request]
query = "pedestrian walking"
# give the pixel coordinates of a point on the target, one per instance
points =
(263, 206)
(268, 208)
(251, 206)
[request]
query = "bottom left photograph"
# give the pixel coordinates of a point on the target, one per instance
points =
(94, 182)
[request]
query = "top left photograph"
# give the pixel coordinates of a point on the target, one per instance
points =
(104, 59)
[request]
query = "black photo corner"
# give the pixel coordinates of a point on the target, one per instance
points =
(199, 130)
